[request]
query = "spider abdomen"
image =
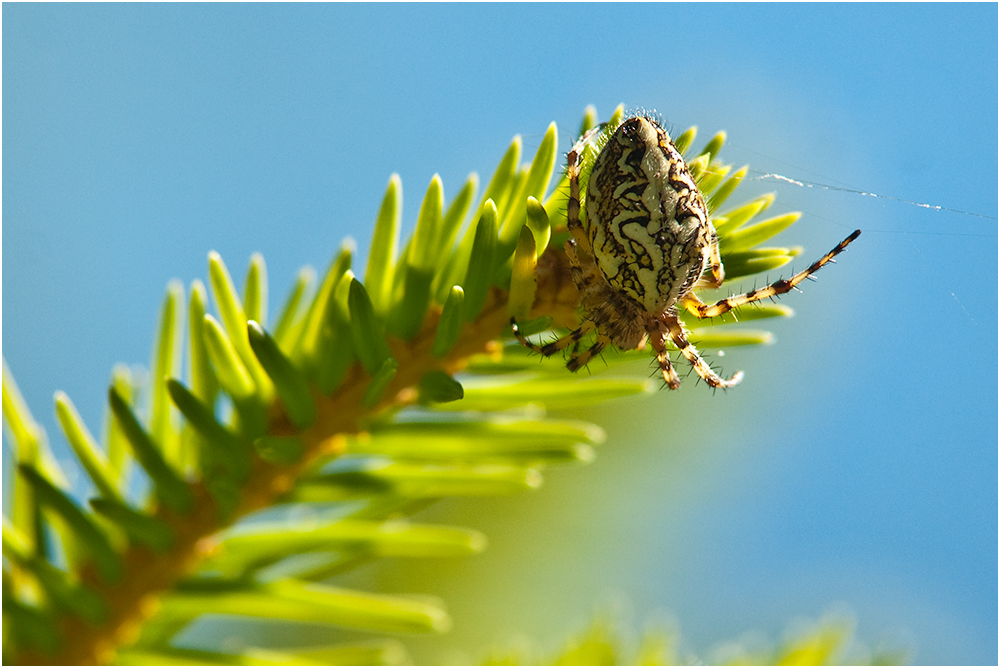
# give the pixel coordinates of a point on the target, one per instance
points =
(644, 246)
(647, 222)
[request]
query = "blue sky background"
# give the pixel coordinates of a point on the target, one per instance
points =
(856, 464)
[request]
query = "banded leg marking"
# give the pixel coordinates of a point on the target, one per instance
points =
(573, 204)
(578, 361)
(670, 377)
(553, 347)
(703, 310)
(678, 336)
(716, 274)
(582, 267)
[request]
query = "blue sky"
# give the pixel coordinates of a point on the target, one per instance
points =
(856, 463)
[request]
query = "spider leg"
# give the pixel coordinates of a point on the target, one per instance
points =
(702, 310)
(582, 268)
(563, 342)
(679, 337)
(583, 271)
(656, 340)
(573, 203)
(716, 273)
(578, 360)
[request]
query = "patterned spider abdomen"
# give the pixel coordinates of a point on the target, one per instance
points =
(646, 220)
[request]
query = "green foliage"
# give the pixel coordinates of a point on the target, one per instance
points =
(372, 398)
(827, 641)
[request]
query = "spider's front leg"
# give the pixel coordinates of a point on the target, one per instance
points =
(573, 203)
(703, 310)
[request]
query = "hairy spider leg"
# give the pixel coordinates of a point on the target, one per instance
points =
(716, 274)
(561, 343)
(657, 341)
(579, 253)
(703, 310)
(583, 269)
(573, 203)
(580, 243)
(577, 360)
(677, 334)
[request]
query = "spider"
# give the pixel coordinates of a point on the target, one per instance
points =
(647, 244)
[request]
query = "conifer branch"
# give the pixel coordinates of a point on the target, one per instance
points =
(314, 405)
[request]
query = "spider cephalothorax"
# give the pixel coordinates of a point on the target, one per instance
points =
(647, 243)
